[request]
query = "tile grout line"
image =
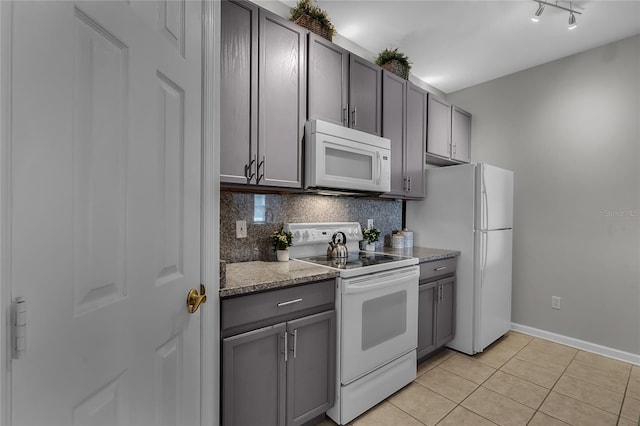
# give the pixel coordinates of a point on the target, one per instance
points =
(624, 396)
(551, 390)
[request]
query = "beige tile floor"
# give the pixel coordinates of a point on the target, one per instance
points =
(519, 380)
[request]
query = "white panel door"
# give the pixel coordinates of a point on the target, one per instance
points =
(495, 190)
(494, 279)
(105, 213)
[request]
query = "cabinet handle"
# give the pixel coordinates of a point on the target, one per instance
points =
(286, 348)
(260, 164)
(409, 184)
(354, 116)
(441, 268)
(295, 342)
(248, 168)
(289, 302)
(345, 116)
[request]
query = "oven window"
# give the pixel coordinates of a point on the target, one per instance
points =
(383, 319)
(348, 164)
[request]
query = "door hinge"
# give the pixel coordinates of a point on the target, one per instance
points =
(19, 329)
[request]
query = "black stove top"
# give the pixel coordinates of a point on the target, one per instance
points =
(355, 260)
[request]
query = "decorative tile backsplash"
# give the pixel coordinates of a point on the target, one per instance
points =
(265, 213)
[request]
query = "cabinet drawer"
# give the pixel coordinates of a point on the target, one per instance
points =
(273, 305)
(437, 268)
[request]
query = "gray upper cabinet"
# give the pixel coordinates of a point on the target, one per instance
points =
(404, 122)
(282, 95)
(394, 100)
(238, 91)
(448, 134)
(416, 140)
(460, 134)
(365, 100)
(263, 97)
(439, 131)
(343, 88)
(328, 91)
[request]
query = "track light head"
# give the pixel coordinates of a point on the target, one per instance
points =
(572, 21)
(536, 16)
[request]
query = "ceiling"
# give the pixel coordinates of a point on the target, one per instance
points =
(457, 44)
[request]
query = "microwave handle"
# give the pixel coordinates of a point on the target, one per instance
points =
(378, 167)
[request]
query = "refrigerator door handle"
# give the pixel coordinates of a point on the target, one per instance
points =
(485, 203)
(485, 249)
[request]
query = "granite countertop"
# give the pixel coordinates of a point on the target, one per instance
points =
(249, 277)
(425, 254)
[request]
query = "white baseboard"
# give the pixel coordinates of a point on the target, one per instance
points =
(578, 344)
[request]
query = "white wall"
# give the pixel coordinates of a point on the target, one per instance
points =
(569, 130)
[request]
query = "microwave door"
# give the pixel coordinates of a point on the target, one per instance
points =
(349, 166)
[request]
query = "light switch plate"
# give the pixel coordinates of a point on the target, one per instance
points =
(241, 229)
(370, 223)
(555, 302)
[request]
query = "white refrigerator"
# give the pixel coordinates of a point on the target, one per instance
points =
(470, 208)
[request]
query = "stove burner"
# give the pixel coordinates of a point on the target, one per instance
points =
(355, 260)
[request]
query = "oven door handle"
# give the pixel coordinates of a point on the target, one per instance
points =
(361, 286)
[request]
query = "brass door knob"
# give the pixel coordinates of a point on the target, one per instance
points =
(194, 300)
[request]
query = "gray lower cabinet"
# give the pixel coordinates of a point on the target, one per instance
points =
(282, 373)
(343, 88)
(254, 372)
(426, 320)
(404, 122)
(263, 97)
(436, 306)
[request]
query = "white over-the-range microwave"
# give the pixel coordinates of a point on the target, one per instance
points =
(341, 159)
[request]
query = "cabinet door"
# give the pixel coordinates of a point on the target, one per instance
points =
(445, 312)
(365, 100)
(328, 69)
(426, 318)
(393, 119)
(311, 367)
(253, 378)
(416, 140)
(439, 127)
(460, 134)
(238, 90)
(282, 101)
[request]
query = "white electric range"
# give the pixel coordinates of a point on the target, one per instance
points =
(377, 316)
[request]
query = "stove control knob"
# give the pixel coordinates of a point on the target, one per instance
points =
(296, 235)
(305, 235)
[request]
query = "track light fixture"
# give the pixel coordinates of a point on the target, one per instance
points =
(570, 9)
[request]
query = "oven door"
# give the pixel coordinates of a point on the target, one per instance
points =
(379, 319)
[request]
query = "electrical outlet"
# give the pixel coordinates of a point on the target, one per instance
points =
(241, 229)
(555, 302)
(369, 223)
